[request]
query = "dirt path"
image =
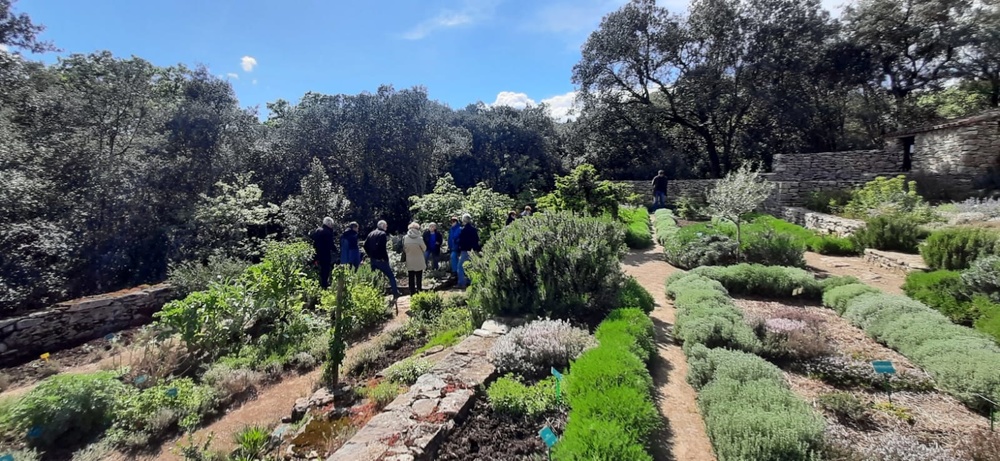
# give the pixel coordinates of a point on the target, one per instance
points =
(684, 438)
(877, 277)
(272, 404)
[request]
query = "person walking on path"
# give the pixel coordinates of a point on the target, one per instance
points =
(468, 241)
(660, 189)
(453, 233)
(511, 217)
(526, 212)
(323, 238)
(378, 254)
(434, 241)
(350, 253)
(415, 250)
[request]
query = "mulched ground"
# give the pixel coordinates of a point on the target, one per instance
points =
(486, 435)
(59, 361)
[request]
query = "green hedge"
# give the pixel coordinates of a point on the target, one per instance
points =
(943, 291)
(609, 391)
(749, 411)
(963, 361)
(956, 248)
(638, 234)
(890, 233)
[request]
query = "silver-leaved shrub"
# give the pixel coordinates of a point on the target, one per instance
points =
(534, 348)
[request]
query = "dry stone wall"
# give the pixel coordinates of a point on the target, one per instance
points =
(70, 323)
(821, 222)
(834, 166)
(958, 154)
(692, 188)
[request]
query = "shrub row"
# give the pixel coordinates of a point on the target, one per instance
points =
(759, 280)
(638, 234)
(609, 391)
(962, 361)
(970, 297)
(749, 411)
(956, 248)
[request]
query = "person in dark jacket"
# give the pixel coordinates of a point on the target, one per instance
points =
(378, 254)
(468, 241)
(323, 239)
(434, 241)
(350, 253)
(511, 217)
(660, 189)
(456, 229)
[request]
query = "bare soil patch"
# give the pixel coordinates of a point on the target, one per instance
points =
(489, 436)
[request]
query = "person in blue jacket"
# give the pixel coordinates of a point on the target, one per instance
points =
(350, 252)
(468, 241)
(453, 233)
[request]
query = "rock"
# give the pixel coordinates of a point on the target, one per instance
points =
(321, 398)
(840, 265)
(495, 327)
(3, 348)
(424, 407)
(299, 409)
(28, 323)
(484, 333)
(433, 350)
(456, 403)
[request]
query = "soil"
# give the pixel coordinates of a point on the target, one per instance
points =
(936, 418)
(683, 436)
(881, 278)
(86, 358)
(487, 436)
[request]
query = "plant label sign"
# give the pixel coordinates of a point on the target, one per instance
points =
(883, 367)
(172, 392)
(548, 436)
(559, 376)
(7, 457)
(140, 379)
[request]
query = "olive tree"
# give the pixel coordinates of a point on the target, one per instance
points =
(739, 193)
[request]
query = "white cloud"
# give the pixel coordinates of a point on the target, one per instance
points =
(233, 75)
(470, 12)
(561, 107)
(3, 47)
(254, 81)
(248, 63)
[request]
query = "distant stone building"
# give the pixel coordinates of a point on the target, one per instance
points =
(954, 154)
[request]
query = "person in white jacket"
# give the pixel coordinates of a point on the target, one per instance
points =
(414, 248)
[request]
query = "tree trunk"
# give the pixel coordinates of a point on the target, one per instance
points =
(713, 156)
(995, 92)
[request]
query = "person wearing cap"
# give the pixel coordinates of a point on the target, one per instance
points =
(376, 247)
(468, 241)
(323, 238)
(350, 253)
(453, 233)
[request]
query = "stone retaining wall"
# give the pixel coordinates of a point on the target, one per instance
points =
(834, 166)
(692, 188)
(897, 262)
(71, 323)
(821, 222)
(413, 426)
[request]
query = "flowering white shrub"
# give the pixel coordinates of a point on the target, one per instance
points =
(782, 325)
(534, 348)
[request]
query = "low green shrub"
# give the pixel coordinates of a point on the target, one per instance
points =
(989, 321)
(554, 265)
(191, 276)
(596, 439)
(426, 305)
(845, 406)
(773, 248)
(983, 276)
(630, 408)
(827, 201)
(150, 412)
(665, 225)
(758, 280)
(941, 290)
(889, 233)
(628, 328)
(366, 306)
(830, 283)
(833, 246)
(383, 393)
(634, 295)
(957, 247)
(637, 232)
(837, 298)
(407, 371)
(603, 368)
(749, 411)
(705, 315)
(883, 196)
(66, 408)
(508, 395)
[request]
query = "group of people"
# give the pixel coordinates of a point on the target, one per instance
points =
(512, 216)
(420, 250)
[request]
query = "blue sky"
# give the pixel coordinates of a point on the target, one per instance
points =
(496, 51)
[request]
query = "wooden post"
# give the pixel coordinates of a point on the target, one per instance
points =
(337, 336)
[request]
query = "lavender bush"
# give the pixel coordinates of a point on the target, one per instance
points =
(847, 373)
(534, 348)
(987, 206)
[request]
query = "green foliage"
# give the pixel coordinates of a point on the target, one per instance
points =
(583, 191)
(833, 245)
(152, 411)
(592, 439)
(845, 406)
(635, 295)
(773, 248)
(749, 411)
(956, 248)
(252, 442)
(941, 290)
(383, 393)
(224, 221)
(191, 276)
(318, 198)
(488, 208)
(741, 192)
(888, 196)
(989, 319)
(889, 233)
(706, 315)
(407, 371)
(510, 396)
(665, 225)
(638, 235)
(631, 329)
(983, 277)
(758, 280)
(365, 306)
(837, 298)
(551, 265)
(827, 201)
(66, 408)
(426, 305)
(690, 208)
(209, 322)
(695, 245)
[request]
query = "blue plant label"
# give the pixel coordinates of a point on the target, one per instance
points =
(110, 337)
(548, 436)
(35, 432)
(556, 373)
(172, 392)
(7, 457)
(140, 379)
(883, 367)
